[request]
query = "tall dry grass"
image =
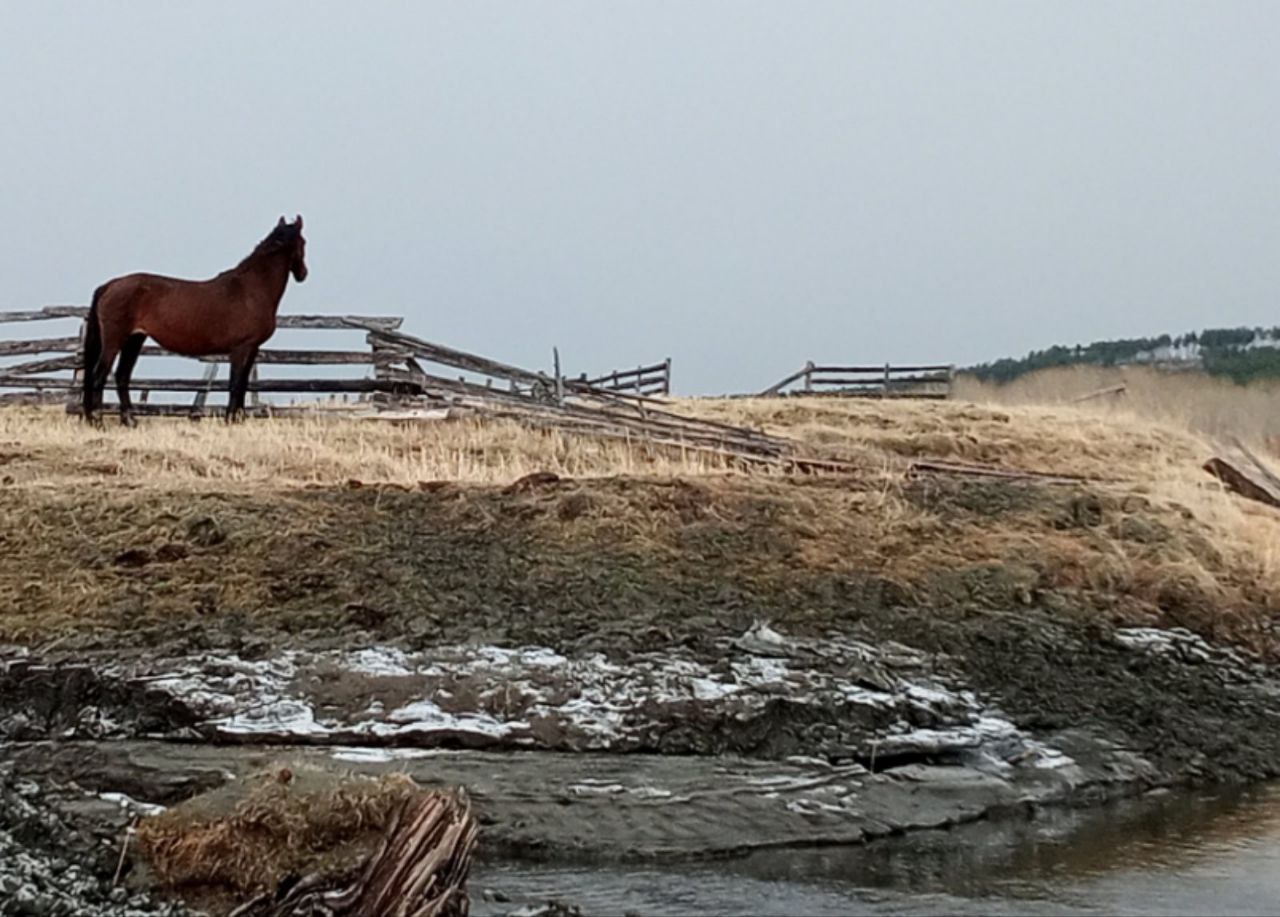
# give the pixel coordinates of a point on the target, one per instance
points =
(1208, 405)
(41, 447)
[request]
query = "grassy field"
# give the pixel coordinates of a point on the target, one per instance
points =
(1184, 400)
(190, 529)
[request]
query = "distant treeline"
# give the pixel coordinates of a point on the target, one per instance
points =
(1241, 354)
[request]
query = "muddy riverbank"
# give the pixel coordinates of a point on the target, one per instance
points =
(632, 669)
(761, 742)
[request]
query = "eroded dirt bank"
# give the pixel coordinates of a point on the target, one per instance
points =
(749, 663)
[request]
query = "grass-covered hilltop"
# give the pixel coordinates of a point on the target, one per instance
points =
(1239, 354)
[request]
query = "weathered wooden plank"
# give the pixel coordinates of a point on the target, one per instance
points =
(458, 359)
(879, 371)
(1238, 482)
(48, 312)
(340, 322)
(286, 320)
(195, 385)
(210, 374)
(53, 364)
(779, 386)
(42, 345)
(894, 382)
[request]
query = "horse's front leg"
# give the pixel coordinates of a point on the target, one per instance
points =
(241, 366)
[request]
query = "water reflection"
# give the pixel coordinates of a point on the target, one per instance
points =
(1176, 854)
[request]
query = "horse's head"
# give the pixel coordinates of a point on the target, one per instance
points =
(296, 245)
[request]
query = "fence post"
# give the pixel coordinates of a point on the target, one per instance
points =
(808, 376)
(197, 405)
(78, 372)
(885, 392)
(555, 355)
(666, 376)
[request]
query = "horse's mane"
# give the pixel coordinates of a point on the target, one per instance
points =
(283, 236)
(279, 239)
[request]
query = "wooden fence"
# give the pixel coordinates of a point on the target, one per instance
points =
(48, 369)
(887, 381)
(643, 380)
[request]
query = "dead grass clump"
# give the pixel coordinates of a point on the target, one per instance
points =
(289, 822)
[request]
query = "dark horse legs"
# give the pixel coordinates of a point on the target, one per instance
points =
(241, 366)
(124, 371)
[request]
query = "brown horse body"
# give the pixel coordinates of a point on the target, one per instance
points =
(231, 314)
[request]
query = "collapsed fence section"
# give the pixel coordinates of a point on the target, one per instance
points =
(396, 367)
(886, 381)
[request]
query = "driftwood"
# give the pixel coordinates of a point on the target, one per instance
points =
(419, 870)
(1261, 486)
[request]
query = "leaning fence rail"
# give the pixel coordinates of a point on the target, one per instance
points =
(882, 381)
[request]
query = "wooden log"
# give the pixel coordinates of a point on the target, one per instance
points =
(419, 869)
(1267, 474)
(1240, 483)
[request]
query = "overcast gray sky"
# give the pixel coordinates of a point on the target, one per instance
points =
(741, 186)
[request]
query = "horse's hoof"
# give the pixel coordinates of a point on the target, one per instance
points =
(128, 420)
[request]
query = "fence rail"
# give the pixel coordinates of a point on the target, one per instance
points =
(643, 380)
(50, 369)
(883, 381)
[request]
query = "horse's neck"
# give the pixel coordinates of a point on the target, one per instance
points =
(266, 275)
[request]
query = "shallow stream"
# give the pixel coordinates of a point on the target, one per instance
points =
(1204, 853)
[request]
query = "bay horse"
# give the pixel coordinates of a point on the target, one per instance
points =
(231, 314)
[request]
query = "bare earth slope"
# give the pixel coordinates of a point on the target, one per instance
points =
(340, 583)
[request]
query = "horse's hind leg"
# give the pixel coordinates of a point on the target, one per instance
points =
(99, 381)
(124, 371)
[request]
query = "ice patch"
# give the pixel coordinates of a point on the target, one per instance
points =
(130, 804)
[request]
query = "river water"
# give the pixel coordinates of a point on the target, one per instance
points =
(1172, 853)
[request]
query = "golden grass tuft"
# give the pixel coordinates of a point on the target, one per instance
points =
(247, 837)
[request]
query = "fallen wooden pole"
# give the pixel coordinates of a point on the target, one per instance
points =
(420, 869)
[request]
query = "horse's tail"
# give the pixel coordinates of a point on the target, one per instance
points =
(92, 351)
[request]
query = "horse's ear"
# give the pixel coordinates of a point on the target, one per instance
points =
(281, 223)
(299, 221)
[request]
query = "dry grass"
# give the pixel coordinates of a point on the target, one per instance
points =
(246, 838)
(1183, 400)
(1156, 542)
(44, 446)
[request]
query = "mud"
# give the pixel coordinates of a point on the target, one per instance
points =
(629, 670)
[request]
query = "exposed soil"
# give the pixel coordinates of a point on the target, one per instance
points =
(1022, 592)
